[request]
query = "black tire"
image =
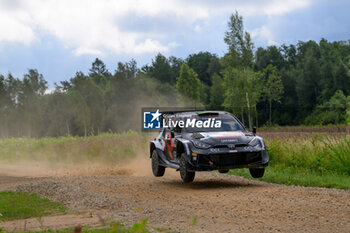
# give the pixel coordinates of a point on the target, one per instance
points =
(156, 168)
(186, 175)
(224, 170)
(257, 172)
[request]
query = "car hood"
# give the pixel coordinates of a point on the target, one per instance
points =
(223, 137)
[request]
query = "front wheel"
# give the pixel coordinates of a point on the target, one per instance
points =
(186, 175)
(257, 172)
(156, 168)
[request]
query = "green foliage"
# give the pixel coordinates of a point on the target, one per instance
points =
(239, 42)
(333, 111)
(273, 88)
(161, 70)
(318, 160)
(234, 84)
(241, 86)
(269, 56)
(126, 70)
(216, 92)
(205, 65)
(188, 84)
(85, 105)
(18, 205)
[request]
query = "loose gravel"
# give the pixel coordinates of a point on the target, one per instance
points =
(221, 203)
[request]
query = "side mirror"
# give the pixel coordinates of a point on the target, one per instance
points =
(254, 130)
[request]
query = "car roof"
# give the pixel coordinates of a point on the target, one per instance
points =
(197, 113)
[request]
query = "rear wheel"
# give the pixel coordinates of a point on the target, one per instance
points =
(224, 170)
(257, 172)
(186, 175)
(156, 168)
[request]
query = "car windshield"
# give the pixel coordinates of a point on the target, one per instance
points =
(214, 124)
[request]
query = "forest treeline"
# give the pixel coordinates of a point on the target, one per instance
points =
(303, 83)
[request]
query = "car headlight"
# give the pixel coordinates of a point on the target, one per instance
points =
(201, 145)
(255, 142)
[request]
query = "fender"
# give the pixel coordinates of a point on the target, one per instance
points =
(156, 144)
(186, 148)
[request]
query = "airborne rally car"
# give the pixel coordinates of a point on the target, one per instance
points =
(206, 141)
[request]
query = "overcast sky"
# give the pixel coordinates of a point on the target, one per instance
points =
(60, 37)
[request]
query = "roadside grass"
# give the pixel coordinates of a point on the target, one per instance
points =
(306, 128)
(105, 148)
(19, 205)
(298, 156)
(289, 176)
(115, 227)
(320, 160)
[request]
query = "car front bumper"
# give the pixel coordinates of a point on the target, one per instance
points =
(236, 159)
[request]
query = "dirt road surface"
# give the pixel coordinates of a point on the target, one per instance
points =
(221, 203)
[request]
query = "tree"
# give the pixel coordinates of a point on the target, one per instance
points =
(126, 70)
(81, 112)
(4, 101)
(271, 55)
(188, 84)
(99, 73)
(240, 51)
(307, 83)
(10, 100)
(239, 41)
(254, 82)
(32, 87)
(175, 64)
(93, 96)
(214, 66)
(273, 88)
(234, 99)
(98, 68)
(59, 114)
(161, 70)
(216, 92)
(333, 111)
(200, 63)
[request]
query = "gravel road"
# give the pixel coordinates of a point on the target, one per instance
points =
(221, 203)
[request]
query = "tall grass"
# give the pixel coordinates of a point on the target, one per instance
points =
(104, 148)
(321, 154)
(306, 159)
(309, 159)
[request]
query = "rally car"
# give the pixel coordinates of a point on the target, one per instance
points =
(206, 141)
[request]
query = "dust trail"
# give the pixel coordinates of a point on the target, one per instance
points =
(139, 166)
(117, 155)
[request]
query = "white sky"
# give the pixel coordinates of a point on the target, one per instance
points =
(56, 35)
